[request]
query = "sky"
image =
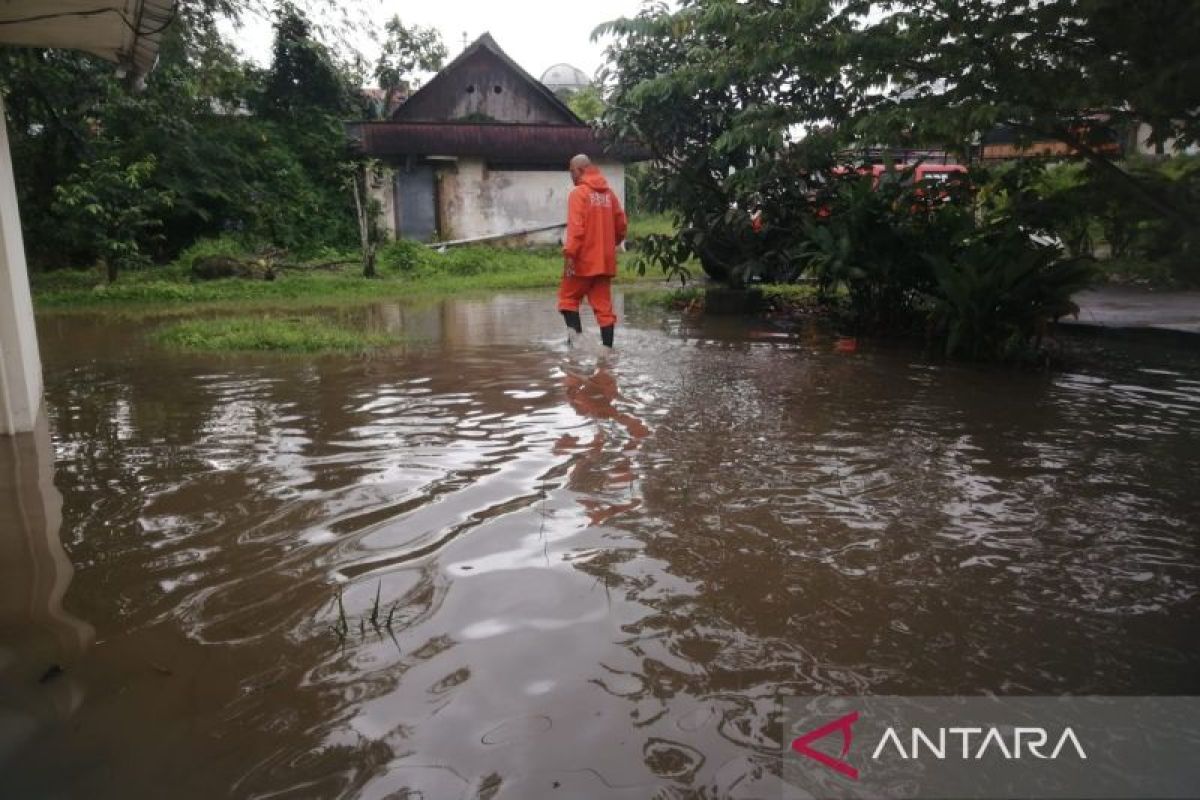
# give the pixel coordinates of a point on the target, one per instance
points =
(536, 33)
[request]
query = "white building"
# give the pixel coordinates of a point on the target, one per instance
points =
(481, 151)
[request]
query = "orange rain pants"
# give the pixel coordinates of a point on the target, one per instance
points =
(597, 289)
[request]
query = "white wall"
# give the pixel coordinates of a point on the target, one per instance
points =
(477, 201)
(1170, 146)
(20, 364)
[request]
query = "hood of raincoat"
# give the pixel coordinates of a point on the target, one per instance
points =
(592, 179)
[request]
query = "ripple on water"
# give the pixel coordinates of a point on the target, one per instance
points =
(601, 573)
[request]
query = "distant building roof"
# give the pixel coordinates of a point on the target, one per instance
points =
(565, 76)
(474, 70)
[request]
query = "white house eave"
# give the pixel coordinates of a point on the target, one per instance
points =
(126, 32)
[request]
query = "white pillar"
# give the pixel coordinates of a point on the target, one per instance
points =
(20, 365)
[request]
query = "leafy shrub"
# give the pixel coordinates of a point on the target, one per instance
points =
(403, 256)
(1098, 212)
(875, 244)
(668, 253)
(786, 296)
(205, 248)
(685, 297)
(994, 296)
(466, 261)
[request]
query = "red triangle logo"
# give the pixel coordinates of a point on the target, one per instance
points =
(843, 724)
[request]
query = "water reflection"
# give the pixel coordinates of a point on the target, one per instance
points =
(600, 573)
(40, 642)
(606, 461)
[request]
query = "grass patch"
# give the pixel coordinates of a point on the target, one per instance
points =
(790, 296)
(686, 298)
(405, 269)
(269, 334)
(778, 297)
(643, 225)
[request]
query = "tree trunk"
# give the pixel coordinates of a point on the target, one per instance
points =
(361, 205)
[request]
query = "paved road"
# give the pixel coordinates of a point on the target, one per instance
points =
(1120, 307)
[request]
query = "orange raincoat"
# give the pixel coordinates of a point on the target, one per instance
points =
(596, 224)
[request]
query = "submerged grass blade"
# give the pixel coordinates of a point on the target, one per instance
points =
(342, 624)
(375, 608)
(391, 614)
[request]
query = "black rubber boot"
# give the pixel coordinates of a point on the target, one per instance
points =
(606, 335)
(573, 321)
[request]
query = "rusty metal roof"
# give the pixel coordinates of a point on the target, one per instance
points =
(514, 143)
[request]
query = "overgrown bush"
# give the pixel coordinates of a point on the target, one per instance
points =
(226, 246)
(213, 146)
(1095, 213)
(994, 295)
(465, 260)
(981, 278)
(876, 242)
(402, 256)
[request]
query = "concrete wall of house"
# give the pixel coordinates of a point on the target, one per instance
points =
(1170, 147)
(478, 200)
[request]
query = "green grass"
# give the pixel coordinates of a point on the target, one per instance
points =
(678, 299)
(405, 269)
(645, 224)
(259, 334)
(779, 297)
(789, 296)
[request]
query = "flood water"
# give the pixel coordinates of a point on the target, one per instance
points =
(600, 574)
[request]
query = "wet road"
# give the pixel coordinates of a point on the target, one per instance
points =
(599, 574)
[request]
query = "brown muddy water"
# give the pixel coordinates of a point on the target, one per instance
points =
(600, 574)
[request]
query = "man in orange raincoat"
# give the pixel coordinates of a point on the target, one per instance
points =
(596, 226)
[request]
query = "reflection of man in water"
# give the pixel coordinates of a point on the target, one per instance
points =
(596, 226)
(593, 396)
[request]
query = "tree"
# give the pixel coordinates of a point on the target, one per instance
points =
(1071, 70)
(359, 175)
(185, 157)
(717, 94)
(303, 76)
(749, 106)
(587, 103)
(113, 209)
(406, 51)
(735, 97)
